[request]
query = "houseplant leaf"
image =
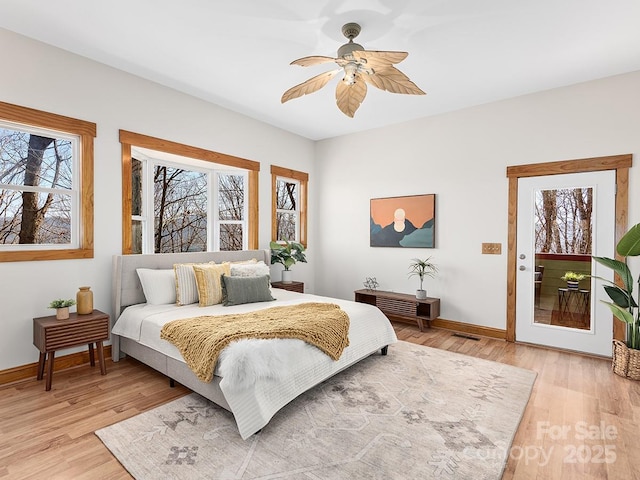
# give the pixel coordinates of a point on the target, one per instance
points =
(621, 313)
(619, 296)
(620, 268)
(629, 244)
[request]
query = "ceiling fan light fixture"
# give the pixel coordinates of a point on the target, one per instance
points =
(350, 70)
(361, 68)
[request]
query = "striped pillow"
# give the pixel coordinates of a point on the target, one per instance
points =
(186, 288)
(208, 280)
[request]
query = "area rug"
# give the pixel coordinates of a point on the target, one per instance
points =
(416, 413)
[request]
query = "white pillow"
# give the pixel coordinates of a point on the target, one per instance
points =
(257, 269)
(159, 286)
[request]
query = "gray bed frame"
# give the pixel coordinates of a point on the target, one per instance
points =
(127, 290)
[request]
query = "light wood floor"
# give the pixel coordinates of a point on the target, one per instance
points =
(49, 435)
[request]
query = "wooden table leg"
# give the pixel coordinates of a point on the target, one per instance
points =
(41, 361)
(51, 356)
(92, 359)
(103, 366)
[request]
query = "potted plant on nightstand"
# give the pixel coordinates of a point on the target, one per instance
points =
(626, 357)
(62, 307)
(573, 279)
(422, 268)
(287, 253)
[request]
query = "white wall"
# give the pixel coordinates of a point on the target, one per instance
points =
(462, 158)
(38, 76)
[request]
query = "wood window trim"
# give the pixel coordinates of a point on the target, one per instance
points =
(87, 132)
(619, 163)
(303, 178)
(130, 139)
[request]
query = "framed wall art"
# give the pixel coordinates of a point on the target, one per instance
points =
(403, 221)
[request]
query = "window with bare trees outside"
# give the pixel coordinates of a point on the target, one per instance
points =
(231, 211)
(563, 229)
(181, 198)
(190, 209)
(289, 205)
(563, 221)
(46, 185)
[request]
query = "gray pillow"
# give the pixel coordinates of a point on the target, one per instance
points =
(239, 290)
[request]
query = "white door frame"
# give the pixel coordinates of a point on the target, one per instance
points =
(619, 163)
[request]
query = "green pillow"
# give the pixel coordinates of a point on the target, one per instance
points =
(239, 290)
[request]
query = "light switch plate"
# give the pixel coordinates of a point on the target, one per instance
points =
(491, 248)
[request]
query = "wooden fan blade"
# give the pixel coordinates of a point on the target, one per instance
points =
(310, 86)
(313, 60)
(393, 80)
(374, 58)
(349, 97)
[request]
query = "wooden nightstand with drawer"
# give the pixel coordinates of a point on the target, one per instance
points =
(51, 334)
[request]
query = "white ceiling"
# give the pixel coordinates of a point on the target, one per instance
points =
(237, 53)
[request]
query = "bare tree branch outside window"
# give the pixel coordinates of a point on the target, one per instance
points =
(563, 221)
(180, 210)
(286, 209)
(231, 206)
(36, 180)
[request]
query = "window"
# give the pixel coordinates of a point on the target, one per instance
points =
(230, 211)
(183, 199)
(46, 185)
(289, 205)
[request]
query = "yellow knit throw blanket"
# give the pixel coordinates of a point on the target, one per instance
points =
(201, 339)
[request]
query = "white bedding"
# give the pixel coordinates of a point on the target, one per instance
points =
(261, 376)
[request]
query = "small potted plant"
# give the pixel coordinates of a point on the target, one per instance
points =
(62, 307)
(287, 253)
(422, 268)
(573, 279)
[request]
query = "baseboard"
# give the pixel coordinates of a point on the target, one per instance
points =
(25, 372)
(470, 328)
(459, 327)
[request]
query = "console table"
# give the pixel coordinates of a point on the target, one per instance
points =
(402, 306)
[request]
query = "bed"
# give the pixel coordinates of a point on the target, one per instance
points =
(254, 378)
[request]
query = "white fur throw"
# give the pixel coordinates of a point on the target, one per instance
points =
(245, 361)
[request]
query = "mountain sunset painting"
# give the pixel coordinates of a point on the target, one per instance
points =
(403, 221)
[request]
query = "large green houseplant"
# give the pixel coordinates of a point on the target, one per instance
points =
(622, 304)
(287, 254)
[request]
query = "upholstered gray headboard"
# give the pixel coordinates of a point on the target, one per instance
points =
(126, 288)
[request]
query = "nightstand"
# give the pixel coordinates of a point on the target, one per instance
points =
(292, 287)
(51, 334)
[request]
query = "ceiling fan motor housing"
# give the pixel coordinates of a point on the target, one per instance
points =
(347, 48)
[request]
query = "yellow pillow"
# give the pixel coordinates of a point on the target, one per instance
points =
(208, 280)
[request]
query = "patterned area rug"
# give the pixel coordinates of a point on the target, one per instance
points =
(416, 413)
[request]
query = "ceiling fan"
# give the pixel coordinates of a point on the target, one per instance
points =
(360, 67)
